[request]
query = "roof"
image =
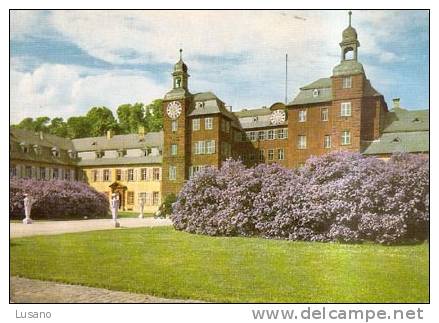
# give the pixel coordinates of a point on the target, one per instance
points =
(130, 141)
(252, 112)
(306, 96)
(325, 82)
(402, 120)
(46, 140)
(204, 96)
(348, 67)
(388, 143)
(121, 161)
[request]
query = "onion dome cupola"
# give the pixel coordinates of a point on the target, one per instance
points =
(180, 78)
(349, 52)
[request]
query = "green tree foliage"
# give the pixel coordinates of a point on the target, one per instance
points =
(101, 119)
(78, 127)
(131, 117)
(58, 127)
(26, 123)
(154, 115)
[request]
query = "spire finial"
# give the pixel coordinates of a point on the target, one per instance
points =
(350, 16)
(181, 51)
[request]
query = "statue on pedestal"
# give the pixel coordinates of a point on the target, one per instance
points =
(28, 201)
(141, 205)
(114, 205)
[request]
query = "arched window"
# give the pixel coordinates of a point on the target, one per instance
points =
(348, 53)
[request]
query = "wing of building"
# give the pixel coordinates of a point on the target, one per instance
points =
(340, 112)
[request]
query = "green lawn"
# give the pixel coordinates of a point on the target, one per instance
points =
(167, 263)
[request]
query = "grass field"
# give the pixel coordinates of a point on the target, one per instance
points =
(167, 263)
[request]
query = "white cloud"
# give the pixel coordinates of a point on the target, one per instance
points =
(60, 90)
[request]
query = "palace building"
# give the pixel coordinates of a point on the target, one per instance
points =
(340, 112)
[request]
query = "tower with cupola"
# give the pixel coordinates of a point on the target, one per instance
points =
(176, 104)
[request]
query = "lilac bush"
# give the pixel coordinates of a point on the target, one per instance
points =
(341, 196)
(57, 199)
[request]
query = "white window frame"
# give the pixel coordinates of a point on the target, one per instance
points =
(208, 123)
(172, 173)
(174, 149)
(280, 154)
(302, 115)
(156, 174)
(324, 114)
(261, 155)
(270, 134)
(270, 154)
(130, 175)
(210, 146)
(262, 135)
(174, 125)
(346, 137)
(327, 141)
(346, 109)
(347, 82)
(282, 133)
(195, 124)
(301, 142)
(105, 172)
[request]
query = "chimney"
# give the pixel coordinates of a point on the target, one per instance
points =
(41, 135)
(229, 107)
(109, 134)
(396, 103)
(141, 131)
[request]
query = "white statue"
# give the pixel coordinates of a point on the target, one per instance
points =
(28, 201)
(141, 205)
(114, 209)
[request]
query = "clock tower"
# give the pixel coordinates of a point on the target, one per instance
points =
(176, 106)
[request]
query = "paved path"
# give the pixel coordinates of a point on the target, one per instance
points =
(25, 290)
(57, 227)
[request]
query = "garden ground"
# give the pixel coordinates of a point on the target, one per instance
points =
(166, 263)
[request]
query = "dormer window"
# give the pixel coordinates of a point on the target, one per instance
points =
(255, 119)
(99, 154)
(315, 93)
(24, 147)
(121, 152)
(72, 154)
(37, 149)
(199, 105)
(55, 152)
(396, 139)
(416, 120)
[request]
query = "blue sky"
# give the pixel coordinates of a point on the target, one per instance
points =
(62, 63)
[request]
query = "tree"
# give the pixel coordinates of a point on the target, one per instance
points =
(154, 115)
(40, 124)
(101, 119)
(131, 117)
(78, 127)
(26, 123)
(58, 127)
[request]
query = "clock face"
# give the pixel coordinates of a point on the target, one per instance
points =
(277, 117)
(174, 109)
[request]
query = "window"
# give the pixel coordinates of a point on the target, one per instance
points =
(106, 175)
(121, 152)
(346, 109)
(208, 123)
(281, 154)
(282, 133)
(99, 154)
(302, 115)
(301, 143)
(67, 175)
(347, 82)
(270, 134)
(251, 135)
(174, 125)
(156, 174)
(144, 174)
(325, 114)
(270, 154)
(210, 146)
(199, 147)
(118, 175)
(315, 93)
(262, 135)
(223, 125)
(346, 138)
(94, 175)
(13, 170)
(172, 173)
(194, 169)
(327, 141)
(195, 124)
(227, 126)
(173, 149)
(55, 174)
(130, 197)
(261, 155)
(155, 198)
(42, 172)
(130, 175)
(252, 156)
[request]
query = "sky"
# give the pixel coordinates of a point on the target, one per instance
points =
(62, 63)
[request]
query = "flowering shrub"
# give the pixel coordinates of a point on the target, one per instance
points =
(56, 199)
(340, 196)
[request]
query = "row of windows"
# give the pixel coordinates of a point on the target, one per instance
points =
(345, 111)
(208, 124)
(327, 140)
(204, 147)
(42, 173)
(267, 134)
(123, 152)
(270, 155)
(129, 175)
